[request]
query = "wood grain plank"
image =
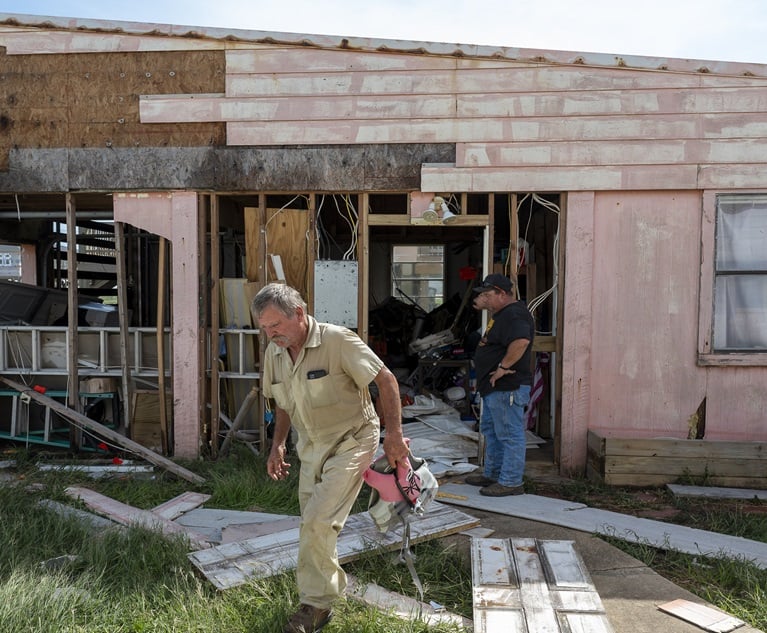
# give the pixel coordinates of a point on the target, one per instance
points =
(219, 107)
(285, 60)
(678, 466)
(213, 108)
(478, 81)
(701, 615)
(180, 504)
(668, 447)
(128, 515)
(553, 178)
(607, 152)
(715, 492)
(625, 127)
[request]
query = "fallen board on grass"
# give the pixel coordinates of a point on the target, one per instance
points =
(716, 492)
(402, 607)
(174, 508)
(703, 616)
(578, 516)
(128, 515)
(233, 564)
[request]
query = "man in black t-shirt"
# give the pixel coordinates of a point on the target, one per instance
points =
(502, 365)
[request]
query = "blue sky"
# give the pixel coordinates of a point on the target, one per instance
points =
(726, 30)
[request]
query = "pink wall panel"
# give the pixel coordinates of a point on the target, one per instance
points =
(577, 332)
(736, 406)
(644, 377)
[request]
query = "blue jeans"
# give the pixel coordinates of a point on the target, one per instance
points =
(503, 426)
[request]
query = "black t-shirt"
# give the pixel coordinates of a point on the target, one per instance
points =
(508, 324)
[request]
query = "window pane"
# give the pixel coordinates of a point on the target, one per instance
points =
(418, 274)
(741, 235)
(10, 262)
(740, 315)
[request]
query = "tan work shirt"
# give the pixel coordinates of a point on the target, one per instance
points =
(325, 392)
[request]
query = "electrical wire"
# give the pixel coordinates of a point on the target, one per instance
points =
(537, 301)
(320, 246)
(330, 244)
(352, 219)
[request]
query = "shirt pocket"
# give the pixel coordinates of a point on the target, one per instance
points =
(280, 395)
(322, 392)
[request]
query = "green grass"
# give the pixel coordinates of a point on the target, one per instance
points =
(136, 581)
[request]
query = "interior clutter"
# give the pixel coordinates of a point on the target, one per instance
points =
(425, 253)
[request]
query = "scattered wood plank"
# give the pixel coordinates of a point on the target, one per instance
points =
(94, 521)
(701, 615)
(478, 532)
(528, 584)
(174, 508)
(244, 531)
(715, 492)
(401, 606)
(128, 515)
(105, 432)
(629, 528)
(96, 472)
(233, 564)
(213, 523)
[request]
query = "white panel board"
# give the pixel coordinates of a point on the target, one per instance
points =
(528, 585)
(335, 292)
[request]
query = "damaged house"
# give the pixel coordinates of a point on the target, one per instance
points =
(153, 177)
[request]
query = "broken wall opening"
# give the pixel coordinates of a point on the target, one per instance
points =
(523, 245)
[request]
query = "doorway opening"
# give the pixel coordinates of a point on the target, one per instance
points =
(420, 281)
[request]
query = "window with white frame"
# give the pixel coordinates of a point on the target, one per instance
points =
(10, 262)
(740, 274)
(418, 274)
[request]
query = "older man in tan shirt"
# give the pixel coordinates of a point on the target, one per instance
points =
(318, 375)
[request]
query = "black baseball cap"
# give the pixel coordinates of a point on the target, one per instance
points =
(494, 280)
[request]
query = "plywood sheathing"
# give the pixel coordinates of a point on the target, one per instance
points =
(92, 101)
(287, 234)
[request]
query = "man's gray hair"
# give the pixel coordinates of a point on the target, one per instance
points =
(283, 297)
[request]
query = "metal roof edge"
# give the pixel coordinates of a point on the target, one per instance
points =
(530, 55)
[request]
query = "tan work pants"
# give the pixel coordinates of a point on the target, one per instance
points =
(329, 482)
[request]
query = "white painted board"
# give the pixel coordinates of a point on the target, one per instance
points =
(335, 292)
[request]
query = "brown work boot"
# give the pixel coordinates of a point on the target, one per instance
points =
(478, 479)
(308, 619)
(499, 490)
